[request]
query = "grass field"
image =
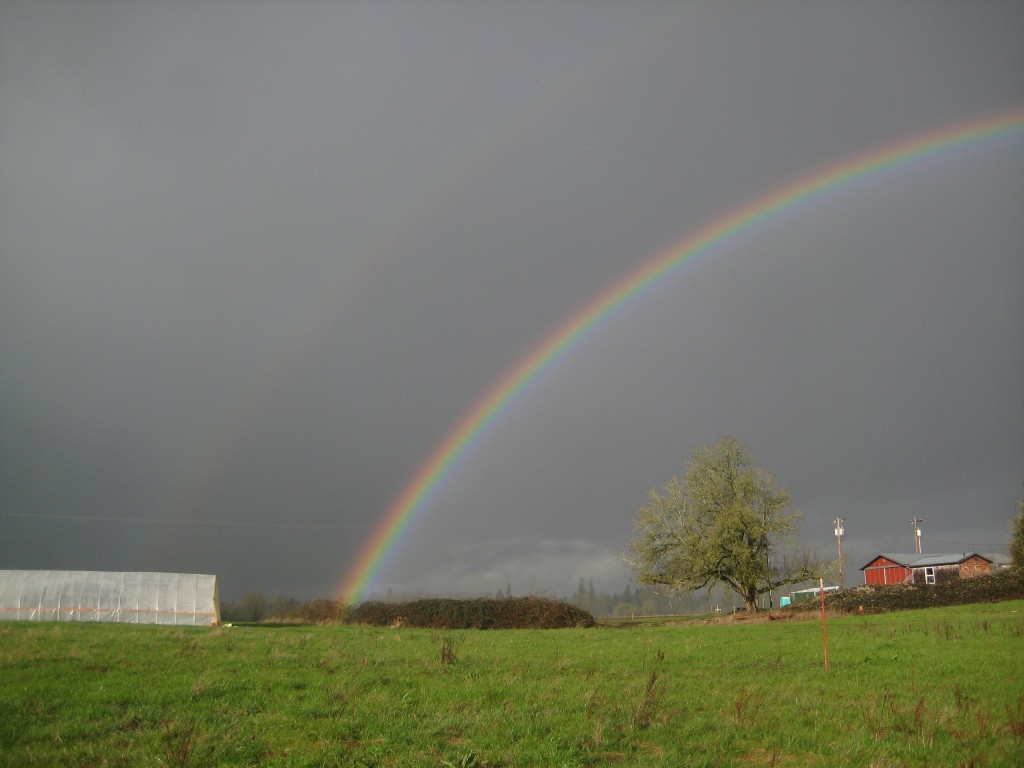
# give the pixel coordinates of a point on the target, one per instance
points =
(939, 687)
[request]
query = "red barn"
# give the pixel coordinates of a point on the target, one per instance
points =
(924, 569)
(889, 569)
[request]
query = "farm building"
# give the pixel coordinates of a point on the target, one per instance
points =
(925, 569)
(131, 598)
(804, 596)
(998, 560)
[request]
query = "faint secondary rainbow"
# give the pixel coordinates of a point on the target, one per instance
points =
(474, 424)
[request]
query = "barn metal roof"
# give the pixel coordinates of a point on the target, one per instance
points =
(949, 559)
(904, 560)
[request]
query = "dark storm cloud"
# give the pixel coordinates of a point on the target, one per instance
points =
(257, 259)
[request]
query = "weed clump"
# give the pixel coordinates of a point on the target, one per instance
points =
(479, 613)
(643, 715)
(449, 648)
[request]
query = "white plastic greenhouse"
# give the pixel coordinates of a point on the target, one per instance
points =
(131, 598)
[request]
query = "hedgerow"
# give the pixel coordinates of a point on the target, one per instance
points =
(480, 613)
(320, 611)
(1006, 584)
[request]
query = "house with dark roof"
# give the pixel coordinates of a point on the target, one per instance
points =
(893, 568)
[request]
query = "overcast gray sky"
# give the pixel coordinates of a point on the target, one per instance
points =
(258, 259)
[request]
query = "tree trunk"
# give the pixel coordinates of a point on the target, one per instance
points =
(750, 598)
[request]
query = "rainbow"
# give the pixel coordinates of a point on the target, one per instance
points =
(431, 476)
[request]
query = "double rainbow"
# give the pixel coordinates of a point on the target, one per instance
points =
(443, 461)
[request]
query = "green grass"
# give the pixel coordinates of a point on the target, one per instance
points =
(933, 687)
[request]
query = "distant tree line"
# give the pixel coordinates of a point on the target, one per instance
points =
(255, 606)
(637, 601)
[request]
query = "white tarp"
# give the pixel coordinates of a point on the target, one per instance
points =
(132, 598)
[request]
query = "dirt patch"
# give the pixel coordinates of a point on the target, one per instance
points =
(761, 617)
(768, 757)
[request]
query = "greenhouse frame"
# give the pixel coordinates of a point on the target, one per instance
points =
(130, 598)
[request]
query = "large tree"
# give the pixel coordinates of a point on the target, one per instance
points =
(723, 523)
(1017, 539)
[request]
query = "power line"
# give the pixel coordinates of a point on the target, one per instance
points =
(170, 521)
(972, 547)
(460, 524)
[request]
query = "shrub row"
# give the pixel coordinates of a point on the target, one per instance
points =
(1006, 584)
(320, 611)
(481, 613)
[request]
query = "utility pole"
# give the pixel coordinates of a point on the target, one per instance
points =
(839, 542)
(767, 561)
(917, 534)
